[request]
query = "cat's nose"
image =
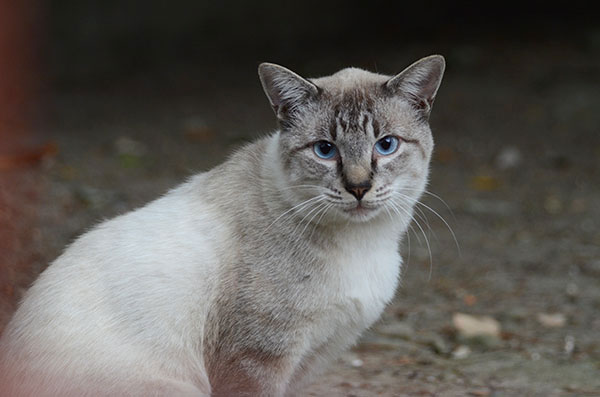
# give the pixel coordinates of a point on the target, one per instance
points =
(358, 190)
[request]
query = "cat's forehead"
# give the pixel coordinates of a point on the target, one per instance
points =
(350, 79)
(352, 88)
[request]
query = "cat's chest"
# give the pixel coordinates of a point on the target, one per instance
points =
(359, 281)
(362, 277)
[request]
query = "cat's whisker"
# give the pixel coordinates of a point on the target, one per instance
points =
(414, 232)
(424, 236)
(431, 194)
(321, 207)
(418, 211)
(317, 206)
(408, 237)
(415, 201)
(412, 229)
(387, 210)
(298, 206)
(299, 237)
(331, 196)
(300, 187)
(266, 185)
(421, 215)
(382, 194)
(324, 211)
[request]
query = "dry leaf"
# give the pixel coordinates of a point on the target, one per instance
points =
(485, 183)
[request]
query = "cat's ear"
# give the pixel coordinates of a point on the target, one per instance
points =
(286, 90)
(419, 83)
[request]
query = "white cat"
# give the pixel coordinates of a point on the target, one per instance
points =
(249, 278)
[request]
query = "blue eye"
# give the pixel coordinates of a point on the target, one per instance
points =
(325, 150)
(387, 145)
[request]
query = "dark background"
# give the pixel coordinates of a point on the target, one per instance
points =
(86, 41)
(105, 105)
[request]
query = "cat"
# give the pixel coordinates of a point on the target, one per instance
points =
(250, 278)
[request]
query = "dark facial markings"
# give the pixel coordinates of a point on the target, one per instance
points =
(333, 131)
(365, 122)
(376, 129)
(352, 111)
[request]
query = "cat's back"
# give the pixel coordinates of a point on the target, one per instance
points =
(124, 293)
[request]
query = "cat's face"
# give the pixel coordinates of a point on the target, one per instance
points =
(354, 145)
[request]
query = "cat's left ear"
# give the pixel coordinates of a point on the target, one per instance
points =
(419, 83)
(286, 90)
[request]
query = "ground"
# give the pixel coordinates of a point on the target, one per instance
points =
(515, 177)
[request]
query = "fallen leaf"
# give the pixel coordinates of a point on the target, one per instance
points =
(470, 299)
(485, 183)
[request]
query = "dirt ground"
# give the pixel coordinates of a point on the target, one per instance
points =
(515, 176)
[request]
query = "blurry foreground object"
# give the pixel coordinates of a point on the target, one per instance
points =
(19, 188)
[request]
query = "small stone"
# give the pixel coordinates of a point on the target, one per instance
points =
(357, 363)
(572, 290)
(470, 326)
(569, 345)
(509, 157)
(552, 320)
(461, 352)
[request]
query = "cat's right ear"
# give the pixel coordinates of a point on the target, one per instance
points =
(286, 90)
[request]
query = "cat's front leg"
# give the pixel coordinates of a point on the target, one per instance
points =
(255, 374)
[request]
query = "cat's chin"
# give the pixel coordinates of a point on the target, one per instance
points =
(360, 213)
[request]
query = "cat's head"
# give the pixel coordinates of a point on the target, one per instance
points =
(357, 144)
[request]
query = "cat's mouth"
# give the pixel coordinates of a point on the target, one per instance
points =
(359, 209)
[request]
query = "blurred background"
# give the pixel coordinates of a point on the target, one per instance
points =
(106, 105)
